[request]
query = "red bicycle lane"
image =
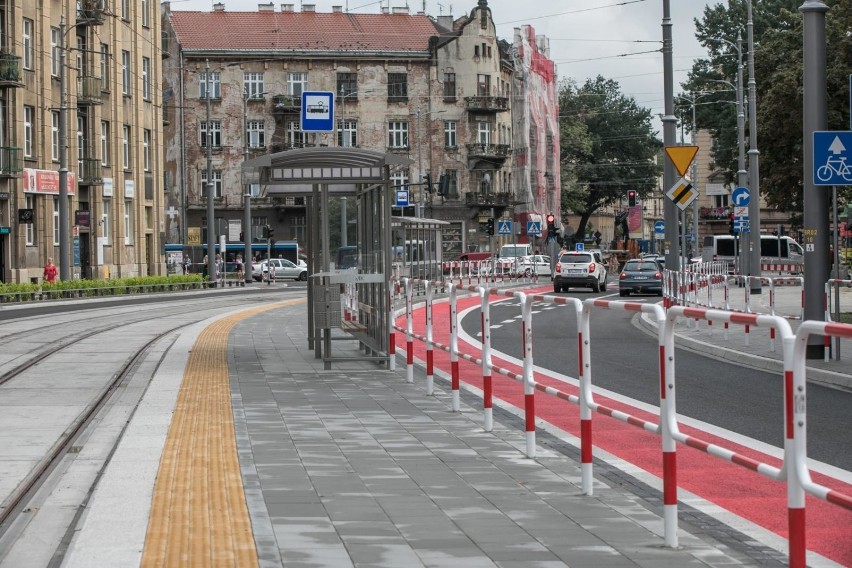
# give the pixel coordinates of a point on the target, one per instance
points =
(743, 492)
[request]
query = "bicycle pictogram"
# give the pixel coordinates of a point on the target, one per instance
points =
(834, 165)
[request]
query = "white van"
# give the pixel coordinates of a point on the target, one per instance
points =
(773, 250)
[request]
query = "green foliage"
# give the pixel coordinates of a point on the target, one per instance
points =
(778, 79)
(607, 147)
(22, 292)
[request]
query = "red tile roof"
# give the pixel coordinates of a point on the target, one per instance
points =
(298, 31)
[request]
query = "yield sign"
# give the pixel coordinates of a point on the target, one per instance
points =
(681, 157)
(682, 193)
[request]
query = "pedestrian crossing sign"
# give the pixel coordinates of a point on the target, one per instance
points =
(504, 228)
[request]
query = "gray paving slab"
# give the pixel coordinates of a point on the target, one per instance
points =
(361, 468)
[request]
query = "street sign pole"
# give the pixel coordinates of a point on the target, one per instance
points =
(671, 246)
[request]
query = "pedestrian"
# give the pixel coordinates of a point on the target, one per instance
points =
(205, 268)
(187, 265)
(50, 272)
(239, 267)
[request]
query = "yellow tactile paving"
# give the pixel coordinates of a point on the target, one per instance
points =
(199, 515)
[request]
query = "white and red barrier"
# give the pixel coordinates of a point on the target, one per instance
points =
(827, 305)
(793, 470)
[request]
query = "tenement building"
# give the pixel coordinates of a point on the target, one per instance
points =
(476, 115)
(80, 87)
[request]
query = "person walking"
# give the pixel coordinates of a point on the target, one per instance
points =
(50, 272)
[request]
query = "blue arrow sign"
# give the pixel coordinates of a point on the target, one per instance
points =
(660, 227)
(740, 197)
(534, 228)
(832, 157)
(504, 228)
(317, 111)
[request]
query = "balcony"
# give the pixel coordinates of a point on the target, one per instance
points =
(91, 12)
(11, 164)
(486, 104)
(10, 70)
(287, 104)
(488, 151)
(503, 198)
(89, 91)
(714, 213)
(90, 171)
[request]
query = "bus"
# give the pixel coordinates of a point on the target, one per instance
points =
(196, 253)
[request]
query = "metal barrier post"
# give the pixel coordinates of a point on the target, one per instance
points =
(454, 347)
(430, 354)
(668, 423)
(585, 369)
(794, 446)
(391, 330)
(487, 393)
(409, 338)
(529, 380)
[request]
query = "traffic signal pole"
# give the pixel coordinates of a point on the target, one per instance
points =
(671, 245)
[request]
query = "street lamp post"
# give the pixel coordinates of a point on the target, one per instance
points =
(753, 163)
(212, 266)
(247, 236)
(64, 229)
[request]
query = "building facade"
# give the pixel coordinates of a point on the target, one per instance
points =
(109, 53)
(440, 91)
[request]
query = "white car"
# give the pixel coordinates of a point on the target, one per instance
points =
(580, 268)
(538, 264)
(283, 269)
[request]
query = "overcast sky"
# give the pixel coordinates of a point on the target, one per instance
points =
(587, 37)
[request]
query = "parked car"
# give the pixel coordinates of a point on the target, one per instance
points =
(579, 269)
(534, 264)
(283, 269)
(641, 275)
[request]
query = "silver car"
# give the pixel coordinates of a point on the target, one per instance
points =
(283, 269)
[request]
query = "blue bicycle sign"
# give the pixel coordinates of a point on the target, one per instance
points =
(831, 152)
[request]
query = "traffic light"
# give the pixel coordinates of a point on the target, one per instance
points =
(427, 182)
(443, 185)
(489, 226)
(631, 198)
(265, 232)
(269, 231)
(731, 225)
(551, 223)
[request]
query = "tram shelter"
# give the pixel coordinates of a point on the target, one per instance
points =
(322, 175)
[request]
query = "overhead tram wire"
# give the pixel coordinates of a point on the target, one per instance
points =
(577, 11)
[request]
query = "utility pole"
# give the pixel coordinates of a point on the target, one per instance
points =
(246, 196)
(753, 165)
(212, 267)
(669, 120)
(64, 229)
(420, 204)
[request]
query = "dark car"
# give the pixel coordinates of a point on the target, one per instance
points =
(643, 276)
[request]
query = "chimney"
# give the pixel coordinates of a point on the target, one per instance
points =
(219, 7)
(309, 7)
(400, 9)
(445, 22)
(385, 10)
(337, 9)
(266, 7)
(286, 7)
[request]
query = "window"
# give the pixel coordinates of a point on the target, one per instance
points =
(450, 140)
(215, 85)
(104, 143)
(29, 130)
(399, 179)
(128, 222)
(255, 134)
(398, 134)
(397, 87)
(483, 132)
(254, 191)
(146, 150)
(215, 134)
(452, 183)
(104, 67)
(54, 135)
(30, 227)
(253, 85)
(81, 141)
(449, 85)
(81, 57)
(296, 83)
(54, 52)
(125, 146)
(125, 9)
(217, 183)
(483, 85)
(347, 85)
(125, 72)
(347, 133)
(144, 13)
(28, 29)
(146, 78)
(720, 200)
(55, 221)
(105, 221)
(294, 136)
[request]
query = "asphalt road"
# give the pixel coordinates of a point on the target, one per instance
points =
(625, 360)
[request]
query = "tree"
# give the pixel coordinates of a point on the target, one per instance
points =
(778, 78)
(607, 147)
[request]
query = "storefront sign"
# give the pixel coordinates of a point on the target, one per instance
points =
(47, 182)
